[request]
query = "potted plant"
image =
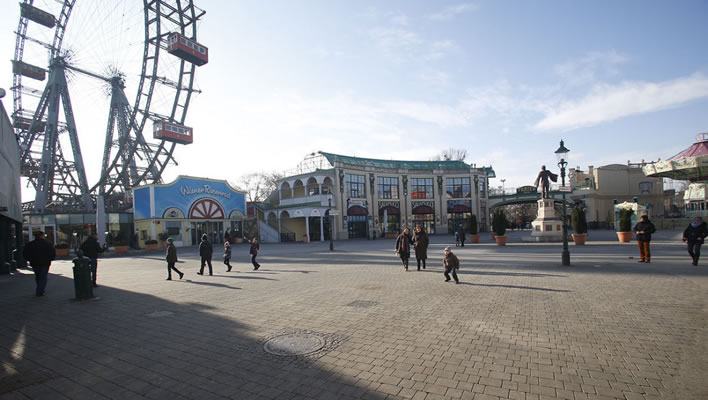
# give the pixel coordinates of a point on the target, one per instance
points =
(624, 233)
(62, 249)
(472, 227)
(499, 227)
(121, 247)
(151, 244)
(580, 226)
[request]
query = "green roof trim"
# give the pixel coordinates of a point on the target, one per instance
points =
(395, 164)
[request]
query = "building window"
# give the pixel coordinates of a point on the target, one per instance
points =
(388, 187)
(356, 186)
(645, 188)
(421, 188)
(458, 187)
(482, 186)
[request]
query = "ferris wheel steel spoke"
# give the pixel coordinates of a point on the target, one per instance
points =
(162, 92)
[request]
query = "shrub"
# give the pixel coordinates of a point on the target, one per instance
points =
(120, 243)
(472, 224)
(164, 236)
(625, 220)
(499, 222)
(580, 224)
(61, 246)
(151, 241)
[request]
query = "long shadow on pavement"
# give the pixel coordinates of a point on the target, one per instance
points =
(137, 345)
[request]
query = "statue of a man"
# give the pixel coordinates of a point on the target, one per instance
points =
(543, 178)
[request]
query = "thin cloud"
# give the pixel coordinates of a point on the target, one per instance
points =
(393, 38)
(587, 68)
(608, 103)
(452, 11)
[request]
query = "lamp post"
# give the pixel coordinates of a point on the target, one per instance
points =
(562, 156)
(331, 223)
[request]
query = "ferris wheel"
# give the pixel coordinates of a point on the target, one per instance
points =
(100, 52)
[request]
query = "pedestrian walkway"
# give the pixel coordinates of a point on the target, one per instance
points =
(349, 324)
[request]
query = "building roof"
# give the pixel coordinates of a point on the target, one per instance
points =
(395, 164)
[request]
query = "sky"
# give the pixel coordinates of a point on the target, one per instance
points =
(504, 80)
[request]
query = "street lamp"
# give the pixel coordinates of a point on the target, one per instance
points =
(562, 156)
(502, 181)
(331, 222)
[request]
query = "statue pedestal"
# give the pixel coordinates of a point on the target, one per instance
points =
(547, 227)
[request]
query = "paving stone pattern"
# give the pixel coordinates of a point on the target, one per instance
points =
(518, 326)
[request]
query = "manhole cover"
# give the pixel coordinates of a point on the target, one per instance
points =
(294, 344)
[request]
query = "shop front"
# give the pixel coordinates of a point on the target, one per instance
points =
(188, 208)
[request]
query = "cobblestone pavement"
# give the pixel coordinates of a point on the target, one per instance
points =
(519, 326)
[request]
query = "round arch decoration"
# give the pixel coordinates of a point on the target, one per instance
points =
(206, 208)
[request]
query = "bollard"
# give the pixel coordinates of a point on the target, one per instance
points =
(82, 276)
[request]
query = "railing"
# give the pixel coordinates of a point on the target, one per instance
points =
(317, 198)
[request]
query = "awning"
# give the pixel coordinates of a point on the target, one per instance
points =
(423, 210)
(391, 210)
(356, 210)
(459, 208)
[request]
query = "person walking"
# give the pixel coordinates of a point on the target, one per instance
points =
(420, 245)
(171, 257)
(254, 252)
(91, 248)
(694, 235)
(205, 252)
(644, 228)
(457, 238)
(461, 232)
(227, 254)
(40, 254)
(451, 264)
(403, 247)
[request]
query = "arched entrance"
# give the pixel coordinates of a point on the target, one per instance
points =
(206, 209)
(390, 221)
(356, 222)
(424, 216)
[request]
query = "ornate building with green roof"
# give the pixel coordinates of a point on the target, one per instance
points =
(372, 198)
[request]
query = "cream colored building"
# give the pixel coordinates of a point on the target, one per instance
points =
(600, 188)
(370, 198)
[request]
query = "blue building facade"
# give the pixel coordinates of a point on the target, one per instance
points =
(187, 208)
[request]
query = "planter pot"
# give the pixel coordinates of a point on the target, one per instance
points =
(151, 247)
(62, 252)
(624, 236)
(501, 240)
(474, 238)
(579, 238)
(121, 249)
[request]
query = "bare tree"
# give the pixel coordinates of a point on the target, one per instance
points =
(258, 185)
(450, 154)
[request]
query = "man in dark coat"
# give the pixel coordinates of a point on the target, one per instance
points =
(644, 228)
(420, 244)
(205, 252)
(254, 252)
(461, 234)
(451, 264)
(40, 254)
(171, 257)
(403, 247)
(91, 248)
(694, 235)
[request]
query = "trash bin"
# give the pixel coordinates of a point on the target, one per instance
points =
(82, 276)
